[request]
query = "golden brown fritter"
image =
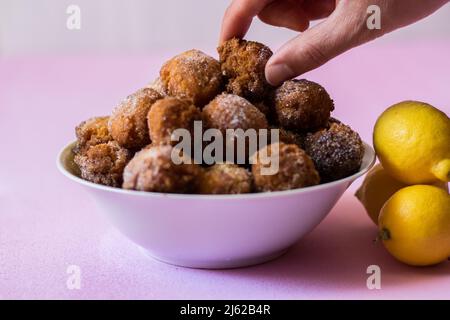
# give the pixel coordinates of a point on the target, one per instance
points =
(103, 163)
(169, 114)
(128, 122)
(152, 169)
(290, 137)
(225, 179)
(229, 111)
(192, 75)
(243, 64)
(302, 105)
(91, 132)
(337, 151)
(296, 169)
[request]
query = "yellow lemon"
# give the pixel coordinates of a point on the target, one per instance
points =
(414, 225)
(378, 186)
(412, 141)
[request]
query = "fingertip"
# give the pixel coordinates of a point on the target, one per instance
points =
(237, 31)
(277, 73)
(238, 18)
(225, 37)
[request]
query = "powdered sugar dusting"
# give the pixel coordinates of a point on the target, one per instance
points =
(238, 112)
(158, 86)
(129, 106)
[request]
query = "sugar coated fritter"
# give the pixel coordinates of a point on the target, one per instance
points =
(153, 169)
(91, 132)
(170, 114)
(243, 65)
(225, 179)
(103, 163)
(128, 121)
(337, 151)
(302, 105)
(295, 169)
(192, 75)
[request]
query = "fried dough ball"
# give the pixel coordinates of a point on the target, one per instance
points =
(291, 137)
(103, 163)
(243, 64)
(91, 132)
(229, 111)
(168, 115)
(302, 105)
(296, 169)
(152, 169)
(337, 151)
(225, 179)
(192, 75)
(128, 122)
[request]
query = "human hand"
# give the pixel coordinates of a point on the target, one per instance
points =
(345, 27)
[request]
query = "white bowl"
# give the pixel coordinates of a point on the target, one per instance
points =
(215, 231)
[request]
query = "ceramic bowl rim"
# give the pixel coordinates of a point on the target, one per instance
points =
(369, 155)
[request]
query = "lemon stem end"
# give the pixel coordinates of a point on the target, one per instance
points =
(383, 235)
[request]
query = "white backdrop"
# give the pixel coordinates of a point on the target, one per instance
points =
(137, 26)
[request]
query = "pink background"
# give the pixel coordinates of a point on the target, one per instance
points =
(30, 27)
(48, 223)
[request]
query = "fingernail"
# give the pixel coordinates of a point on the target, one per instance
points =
(277, 73)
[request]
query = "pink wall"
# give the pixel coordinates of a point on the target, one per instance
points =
(137, 26)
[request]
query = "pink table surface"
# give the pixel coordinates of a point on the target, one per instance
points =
(48, 223)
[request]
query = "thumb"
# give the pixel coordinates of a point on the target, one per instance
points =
(316, 46)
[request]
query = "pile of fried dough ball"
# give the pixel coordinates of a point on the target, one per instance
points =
(132, 148)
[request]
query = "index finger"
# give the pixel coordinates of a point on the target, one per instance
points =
(238, 17)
